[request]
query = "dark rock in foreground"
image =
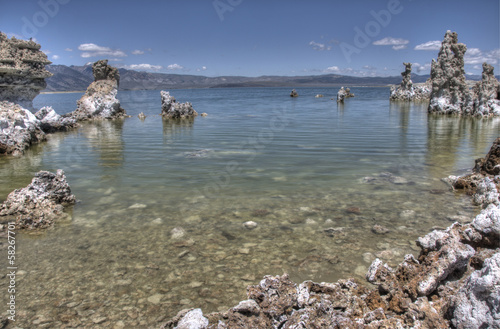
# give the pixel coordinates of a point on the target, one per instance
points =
(454, 282)
(99, 101)
(173, 110)
(407, 91)
(40, 203)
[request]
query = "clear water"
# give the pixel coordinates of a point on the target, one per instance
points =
(296, 166)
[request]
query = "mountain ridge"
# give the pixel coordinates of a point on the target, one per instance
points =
(77, 78)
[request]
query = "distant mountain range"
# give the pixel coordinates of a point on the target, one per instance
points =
(77, 78)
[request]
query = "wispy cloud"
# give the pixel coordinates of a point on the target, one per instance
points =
(68, 49)
(93, 50)
(143, 67)
(203, 68)
(368, 71)
(55, 57)
(396, 43)
(475, 56)
(319, 46)
(175, 67)
(137, 52)
(429, 45)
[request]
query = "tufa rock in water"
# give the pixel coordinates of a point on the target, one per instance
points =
(343, 94)
(294, 93)
(450, 93)
(99, 101)
(487, 93)
(407, 91)
(22, 71)
(19, 128)
(173, 110)
(51, 122)
(40, 203)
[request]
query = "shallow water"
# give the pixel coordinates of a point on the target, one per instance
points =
(296, 166)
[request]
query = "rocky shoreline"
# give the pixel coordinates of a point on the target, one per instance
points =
(453, 283)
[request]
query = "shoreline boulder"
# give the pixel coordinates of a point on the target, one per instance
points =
(99, 101)
(172, 110)
(40, 203)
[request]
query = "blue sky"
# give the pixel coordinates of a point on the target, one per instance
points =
(257, 37)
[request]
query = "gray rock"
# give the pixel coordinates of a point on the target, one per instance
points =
(41, 202)
(250, 225)
(19, 128)
(477, 302)
(450, 93)
(22, 71)
(171, 109)
(248, 306)
(487, 93)
(342, 94)
(488, 221)
(486, 193)
(194, 319)
(379, 229)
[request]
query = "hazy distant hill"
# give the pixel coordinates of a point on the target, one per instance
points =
(77, 78)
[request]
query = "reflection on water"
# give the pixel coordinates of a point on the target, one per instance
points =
(159, 226)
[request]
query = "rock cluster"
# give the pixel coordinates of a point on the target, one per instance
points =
(173, 110)
(294, 93)
(343, 94)
(407, 91)
(22, 70)
(19, 128)
(450, 92)
(454, 282)
(99, 101)
(40, 203)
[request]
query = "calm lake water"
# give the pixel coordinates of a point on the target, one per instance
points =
(159, 222)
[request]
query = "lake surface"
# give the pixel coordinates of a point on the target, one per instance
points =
(159, 222)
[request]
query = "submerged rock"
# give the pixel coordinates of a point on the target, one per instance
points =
(407, 91)
(171, 109)
(22, 71)
(19, 128)
(99, 101)
(454, 282)
(450, 93)
(40, 203)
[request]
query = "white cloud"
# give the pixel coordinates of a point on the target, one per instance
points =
(137, 52)
(203, 68)
(93, 50)
(333, 69)
(429, 45)
(399, 47)
(175, 67)
(319, 46)
(55, 57)
(389, 41)
(350, 71)
(144, 67)
(419, 68)
(46, 52)
(475, 56)
(68, 49)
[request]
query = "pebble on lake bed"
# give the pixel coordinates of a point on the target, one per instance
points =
(250, 225)
(379, 229)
